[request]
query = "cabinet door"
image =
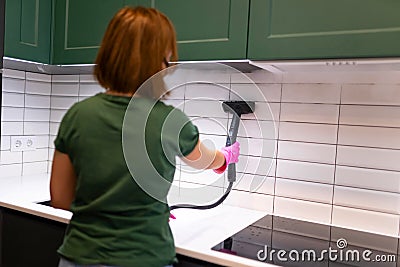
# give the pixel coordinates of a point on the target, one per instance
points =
(79, 27)
(28, 30)
(306, 29)
(208, 29)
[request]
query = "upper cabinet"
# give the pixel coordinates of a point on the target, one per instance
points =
(70, 31)
(79, 27)
(28, 30)
(312, 29)
(208, 29)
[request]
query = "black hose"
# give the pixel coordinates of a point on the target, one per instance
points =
(205, 207)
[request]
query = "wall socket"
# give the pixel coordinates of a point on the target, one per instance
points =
(23, 143)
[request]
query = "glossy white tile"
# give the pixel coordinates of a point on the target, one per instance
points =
(54, 128)
(371, 94)
(16, 74)
(369, 136)
(87, 78)
(319, 153)
(10, 170)
(56, 115)
(37, 101)
(38, 87)
(13, 85)
(249, 200)
(42, 141)
(255, 183)
(8, 157)
(308, 132)
(258, 129)
(317, 113)
(256, 165)
(367, 199)
(368, 178)
(303, 210)
(374, 158)
(258, 147)
(5, 142)
(36, 114)
(41, 154)
(210, 125)
(385, 116)
(13, 100)
(204, 108)
(309, 191)
(207, 91)
(306, 171)
(12, 128)
(63, 102)
(90, 89)
(65, 89)
(376, 222)
(31, 168)
(12, 114)
(264, 111)
(311, 93)
(256, 92)
(34, 128)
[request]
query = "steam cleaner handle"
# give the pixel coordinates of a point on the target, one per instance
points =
(231, 139)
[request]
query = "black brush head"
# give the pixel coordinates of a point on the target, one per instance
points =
(238, 107)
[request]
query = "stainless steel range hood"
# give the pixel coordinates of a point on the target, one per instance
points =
(337, 65)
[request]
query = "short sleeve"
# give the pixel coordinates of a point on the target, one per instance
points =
(188, 138)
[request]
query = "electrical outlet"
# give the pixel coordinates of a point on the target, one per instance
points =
(23, 143)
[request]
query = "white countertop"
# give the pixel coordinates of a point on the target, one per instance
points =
(195, 232)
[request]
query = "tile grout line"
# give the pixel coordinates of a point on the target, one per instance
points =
(336, 155)
(277, 150)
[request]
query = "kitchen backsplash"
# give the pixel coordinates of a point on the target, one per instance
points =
(321, 146)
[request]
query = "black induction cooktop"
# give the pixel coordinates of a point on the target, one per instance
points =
(289, 242)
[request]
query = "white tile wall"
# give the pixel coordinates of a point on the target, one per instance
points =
(321, 146)
(311, 93)
(317, 113)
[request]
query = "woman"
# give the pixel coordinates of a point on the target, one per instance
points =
(115, 222)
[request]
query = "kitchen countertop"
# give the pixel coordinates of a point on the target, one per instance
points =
(195, 232)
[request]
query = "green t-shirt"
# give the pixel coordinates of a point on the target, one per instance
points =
(115, 222)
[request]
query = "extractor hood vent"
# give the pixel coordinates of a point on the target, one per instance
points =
(345, 65)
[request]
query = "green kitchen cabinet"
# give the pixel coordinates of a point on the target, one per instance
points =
(28, 30)
(78, 28)
(208, 29)
(70, 31)
(316, 29)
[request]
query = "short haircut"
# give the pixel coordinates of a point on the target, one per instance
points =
(133, 48)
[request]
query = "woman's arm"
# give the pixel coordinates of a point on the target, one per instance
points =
(203, 158)
(62, 181)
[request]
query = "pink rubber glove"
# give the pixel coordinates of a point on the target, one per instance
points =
(231, 154)
(171, 216)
